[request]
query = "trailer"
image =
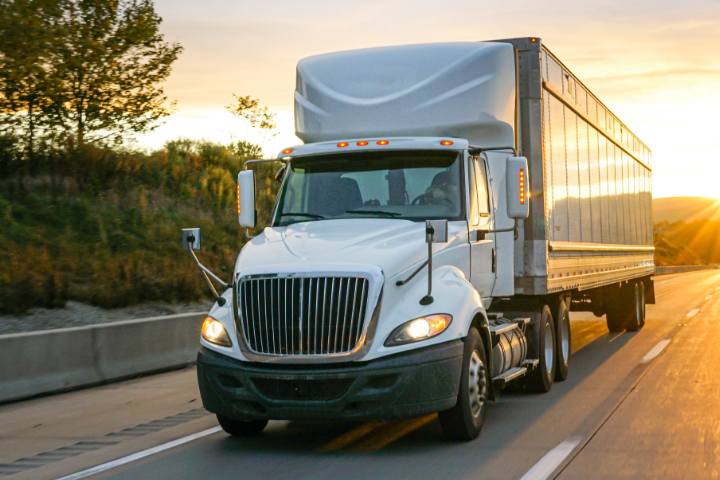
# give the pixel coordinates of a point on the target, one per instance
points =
(450, 205)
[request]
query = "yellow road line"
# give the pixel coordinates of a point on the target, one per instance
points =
(349, 437)
(399, 430)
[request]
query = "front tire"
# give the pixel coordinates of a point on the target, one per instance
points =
(465, 420)
(241, 428)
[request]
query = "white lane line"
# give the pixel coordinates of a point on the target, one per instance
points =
(657, 350)
(547, 464)
(692, 312)
(142, 454)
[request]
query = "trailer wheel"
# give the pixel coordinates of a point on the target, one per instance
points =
(634, 298)
(241, 428)
(642, 303)
(465, 420)
(563, 341)
(615, 309)
(541, 379)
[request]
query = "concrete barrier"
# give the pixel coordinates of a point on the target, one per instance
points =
(56, 360)
(681, 269)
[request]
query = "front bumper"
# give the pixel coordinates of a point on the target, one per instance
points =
(399, 386)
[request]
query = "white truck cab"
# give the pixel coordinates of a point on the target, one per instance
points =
(407, 268)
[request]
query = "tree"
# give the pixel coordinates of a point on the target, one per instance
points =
(111, 60)
(257, 120)
(28, 29)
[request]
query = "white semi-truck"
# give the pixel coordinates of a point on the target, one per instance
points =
(451, 204)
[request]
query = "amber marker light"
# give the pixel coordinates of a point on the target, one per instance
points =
(287, 151)
(533, 40)
(382, 142)
(446, 143)
(522, 186)
(238, 198)
(362, 143)
(343, 144)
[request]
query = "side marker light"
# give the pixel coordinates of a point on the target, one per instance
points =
(382, 142)
(343, 144)
(446, 143)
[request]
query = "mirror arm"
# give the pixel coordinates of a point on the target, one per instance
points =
(501, 230)
(220, 300)
(478, 150)
(429, 231)
(400, 283)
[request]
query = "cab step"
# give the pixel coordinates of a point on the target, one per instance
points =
(531, 364)
(506, 377)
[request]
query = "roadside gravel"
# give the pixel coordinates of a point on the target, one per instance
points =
(79, 314)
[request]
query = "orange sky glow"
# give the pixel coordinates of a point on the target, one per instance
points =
(655, 64)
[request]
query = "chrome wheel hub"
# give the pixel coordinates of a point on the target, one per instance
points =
(549, 348)
(477, 389)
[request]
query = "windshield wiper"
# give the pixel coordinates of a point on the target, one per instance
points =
(301, 214)
(374, 212)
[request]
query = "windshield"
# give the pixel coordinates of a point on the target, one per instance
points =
(415, 185)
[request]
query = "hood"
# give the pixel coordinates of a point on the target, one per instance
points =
(393, 245)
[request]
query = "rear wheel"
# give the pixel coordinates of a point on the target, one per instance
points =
(614, 310)
(634, 305)
(241, 428)
(465, 420)
(541, 379)
(562, 336)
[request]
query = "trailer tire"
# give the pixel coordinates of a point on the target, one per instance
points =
(465, 420)
(563, 342)
(634, 296)
(540, 380)
(241, 428)
(614, 310)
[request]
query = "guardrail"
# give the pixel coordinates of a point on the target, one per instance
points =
(58, 360)
(683, 268)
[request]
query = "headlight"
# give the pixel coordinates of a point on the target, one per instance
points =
(214, 332)
(419, 329)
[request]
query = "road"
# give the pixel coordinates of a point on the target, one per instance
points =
(636, 405)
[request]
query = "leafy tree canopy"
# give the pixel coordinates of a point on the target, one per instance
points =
(106, 60)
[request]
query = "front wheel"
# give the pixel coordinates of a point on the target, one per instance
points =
(241, 428)
(465, 420)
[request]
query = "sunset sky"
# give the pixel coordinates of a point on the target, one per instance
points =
(656, 64)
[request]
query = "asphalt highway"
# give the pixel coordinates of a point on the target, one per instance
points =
(636, 405)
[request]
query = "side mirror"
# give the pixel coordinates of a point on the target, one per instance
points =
(246, 199)
(191, 238)
(516, 174)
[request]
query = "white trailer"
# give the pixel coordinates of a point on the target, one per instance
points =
(449, 207)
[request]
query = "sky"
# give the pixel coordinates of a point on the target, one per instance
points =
(655, 64)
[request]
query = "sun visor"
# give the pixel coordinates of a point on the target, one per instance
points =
(463, 90)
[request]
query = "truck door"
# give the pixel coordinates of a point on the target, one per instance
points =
(482, 268)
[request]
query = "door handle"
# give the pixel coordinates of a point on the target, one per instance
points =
(494, 260)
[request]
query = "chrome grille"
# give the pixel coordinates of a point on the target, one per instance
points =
(302, 316)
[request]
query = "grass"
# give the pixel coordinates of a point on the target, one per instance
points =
(103, 227)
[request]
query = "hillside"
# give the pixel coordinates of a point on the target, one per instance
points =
(687, 209)
(103, 227)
